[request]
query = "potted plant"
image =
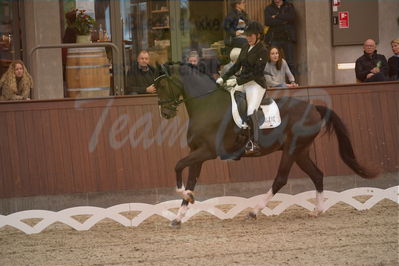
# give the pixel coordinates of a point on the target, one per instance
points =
(83, 25)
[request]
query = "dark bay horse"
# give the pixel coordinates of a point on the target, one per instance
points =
(212, 133)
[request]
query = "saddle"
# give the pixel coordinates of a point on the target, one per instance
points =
(268, 112)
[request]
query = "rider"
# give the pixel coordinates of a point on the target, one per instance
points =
(252, 61)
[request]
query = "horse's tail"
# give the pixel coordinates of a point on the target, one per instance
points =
(334, 123)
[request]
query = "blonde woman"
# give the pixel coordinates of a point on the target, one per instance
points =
(16, 83)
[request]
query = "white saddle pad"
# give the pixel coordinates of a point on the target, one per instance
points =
(271, 112)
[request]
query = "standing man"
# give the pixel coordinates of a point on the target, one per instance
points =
(280, 17)
(371, 66)
(140, 78)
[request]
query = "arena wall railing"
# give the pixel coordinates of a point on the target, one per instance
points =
(64, 146)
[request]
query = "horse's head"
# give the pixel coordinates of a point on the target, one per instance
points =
(169, 89)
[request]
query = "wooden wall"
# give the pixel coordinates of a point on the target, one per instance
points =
(255, 9)
(112, 144)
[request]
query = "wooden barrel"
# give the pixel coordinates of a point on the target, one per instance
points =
(87, 72)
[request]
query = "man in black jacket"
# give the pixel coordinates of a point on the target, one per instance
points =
(140, 78)
(280, 17)
(371, 67)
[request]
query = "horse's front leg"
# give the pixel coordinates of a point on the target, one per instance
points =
(188, 193)
(199, 155)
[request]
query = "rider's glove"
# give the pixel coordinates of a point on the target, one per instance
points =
(220, 81)
(231, 82)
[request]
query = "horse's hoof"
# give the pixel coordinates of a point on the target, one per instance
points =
(175, 224)
(251, 216)
(315, 213)
(189, 196)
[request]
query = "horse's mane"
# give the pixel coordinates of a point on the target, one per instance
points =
(196, 82)
(180, 64)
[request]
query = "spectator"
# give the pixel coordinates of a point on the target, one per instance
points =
(277, 70)
(371, 66)
(16, 83)
(393, 61)
(280, 17)
(140, 78)
(193, 58)
(209, 65)
(235, 23)
(195, 73)
(235, 52)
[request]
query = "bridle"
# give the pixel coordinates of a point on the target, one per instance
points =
(174, 102)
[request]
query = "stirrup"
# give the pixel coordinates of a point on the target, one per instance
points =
(252, 148)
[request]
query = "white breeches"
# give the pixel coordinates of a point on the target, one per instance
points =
(254, 94)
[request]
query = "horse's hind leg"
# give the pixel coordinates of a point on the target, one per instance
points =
(308, 166)
(281, 179)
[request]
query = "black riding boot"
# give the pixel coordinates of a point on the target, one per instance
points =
(252, 147)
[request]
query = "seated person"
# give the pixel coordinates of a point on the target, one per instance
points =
(140, 78)
(235, 52)
(371, 67)
(209, 66)
(277, 70)
(393, 61)
(16, 83)
(193, 58)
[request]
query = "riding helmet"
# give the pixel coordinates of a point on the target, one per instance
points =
(254, 27)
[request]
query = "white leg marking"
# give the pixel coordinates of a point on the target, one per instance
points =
(262, 204)
(181, 213)
(180, 190)
(319, 207)
(319, 202)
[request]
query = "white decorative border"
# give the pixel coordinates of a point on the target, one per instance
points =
(163, 209)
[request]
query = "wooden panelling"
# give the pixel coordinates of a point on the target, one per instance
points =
(121, 143)
(255, 9)
(371, 117)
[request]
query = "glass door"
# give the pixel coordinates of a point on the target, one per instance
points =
(170, 29)
(146, 26)
(10, 32)
(89, 71)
